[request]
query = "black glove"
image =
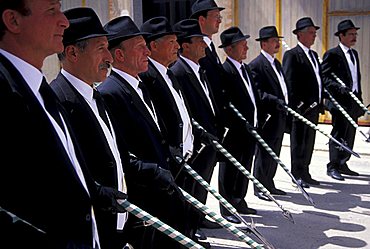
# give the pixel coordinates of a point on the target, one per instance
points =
(107, 199)
(165, 180)
(280, 104)
(344, 90)
(207, 138)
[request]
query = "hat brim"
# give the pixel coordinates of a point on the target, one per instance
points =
(156, 36)
(265, 38)
(86, 37)
(296, 30)
(208, 9)
(116, 40)
(340, 31)
(245, 37)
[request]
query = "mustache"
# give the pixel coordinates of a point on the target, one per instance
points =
(105, 65)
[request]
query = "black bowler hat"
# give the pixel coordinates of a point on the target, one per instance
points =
(188, 28)
(157, 27)
(231, 35)
(83, 24)
(303, 23)
(345, 25)
(203, 5)
(122, 28)
(268, 32)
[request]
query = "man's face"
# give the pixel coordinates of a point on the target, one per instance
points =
(135, 55)
(43, 29)
(94, 60)
(271, 45)
(197, 48)
(165, 49)
(211, 23)
(308, 36)
(349, 39)
(238, 50)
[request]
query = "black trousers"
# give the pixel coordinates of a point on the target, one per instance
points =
(302, 141)
(345, 133)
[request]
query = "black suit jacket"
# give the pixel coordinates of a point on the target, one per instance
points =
(38, 181)
(94, 146)
(335, 62)
(301, 79)
(197, 101)
(238, 95)
(165, 104)
(269, 89)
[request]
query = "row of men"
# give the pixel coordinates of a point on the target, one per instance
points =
(85, 144)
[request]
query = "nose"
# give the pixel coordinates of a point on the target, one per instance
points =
(63, 22)
(109, 57)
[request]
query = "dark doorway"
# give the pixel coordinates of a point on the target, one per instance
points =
(174, 10)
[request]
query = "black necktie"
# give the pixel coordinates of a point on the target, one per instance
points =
(244, 73)
(145, 93)
(351, 56)
(277, 66)
(312, 57)
(202, 76)
(214, 53)
(101, 108)
(175, 84)
(50, 102)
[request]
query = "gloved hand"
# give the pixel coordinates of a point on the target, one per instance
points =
(165, 180)
(208, 138)
(344, 90)
(108, 199)
(280, 104)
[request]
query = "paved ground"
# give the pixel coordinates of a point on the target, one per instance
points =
(340, 218)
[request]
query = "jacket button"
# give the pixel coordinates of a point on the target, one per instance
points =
(181, 145)
(181, 125)
(110, 164)
(167, 159)
(88, 217)
(163, 141)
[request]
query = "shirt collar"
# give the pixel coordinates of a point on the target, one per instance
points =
(344, 48)
(30, 74)
(192, 64)
(162, 69)
(268, 56)
(207, 41)
(82, 87)
(305, 49)
(236, 63)
(134, 82)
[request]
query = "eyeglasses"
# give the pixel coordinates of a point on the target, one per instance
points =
(218, 17)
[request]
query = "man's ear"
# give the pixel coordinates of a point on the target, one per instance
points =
(71, 53)
(119, 55)
(12, 20)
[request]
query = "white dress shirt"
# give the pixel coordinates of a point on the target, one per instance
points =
(352, 67)
(278, 75)
(187, 134)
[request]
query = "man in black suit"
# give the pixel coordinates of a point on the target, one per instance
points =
(202, 106)
(344, 62)
(242, 93)
(141, 127)
(304, 80)
(269, 79)
(163, 86)
(209, 17)
(46, 182)
(85, 60)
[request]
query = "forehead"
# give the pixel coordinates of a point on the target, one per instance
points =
(167, 38)
(98, 40)
(240, 43)
(214, 12)
(134, 41)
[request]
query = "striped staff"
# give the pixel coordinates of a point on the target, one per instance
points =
(219, 219)
(345, 114)
(245, 172)
(351, 94)
(160, 226)
(226, 204)
(315, 127)
(271, 153)
(15, 219)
